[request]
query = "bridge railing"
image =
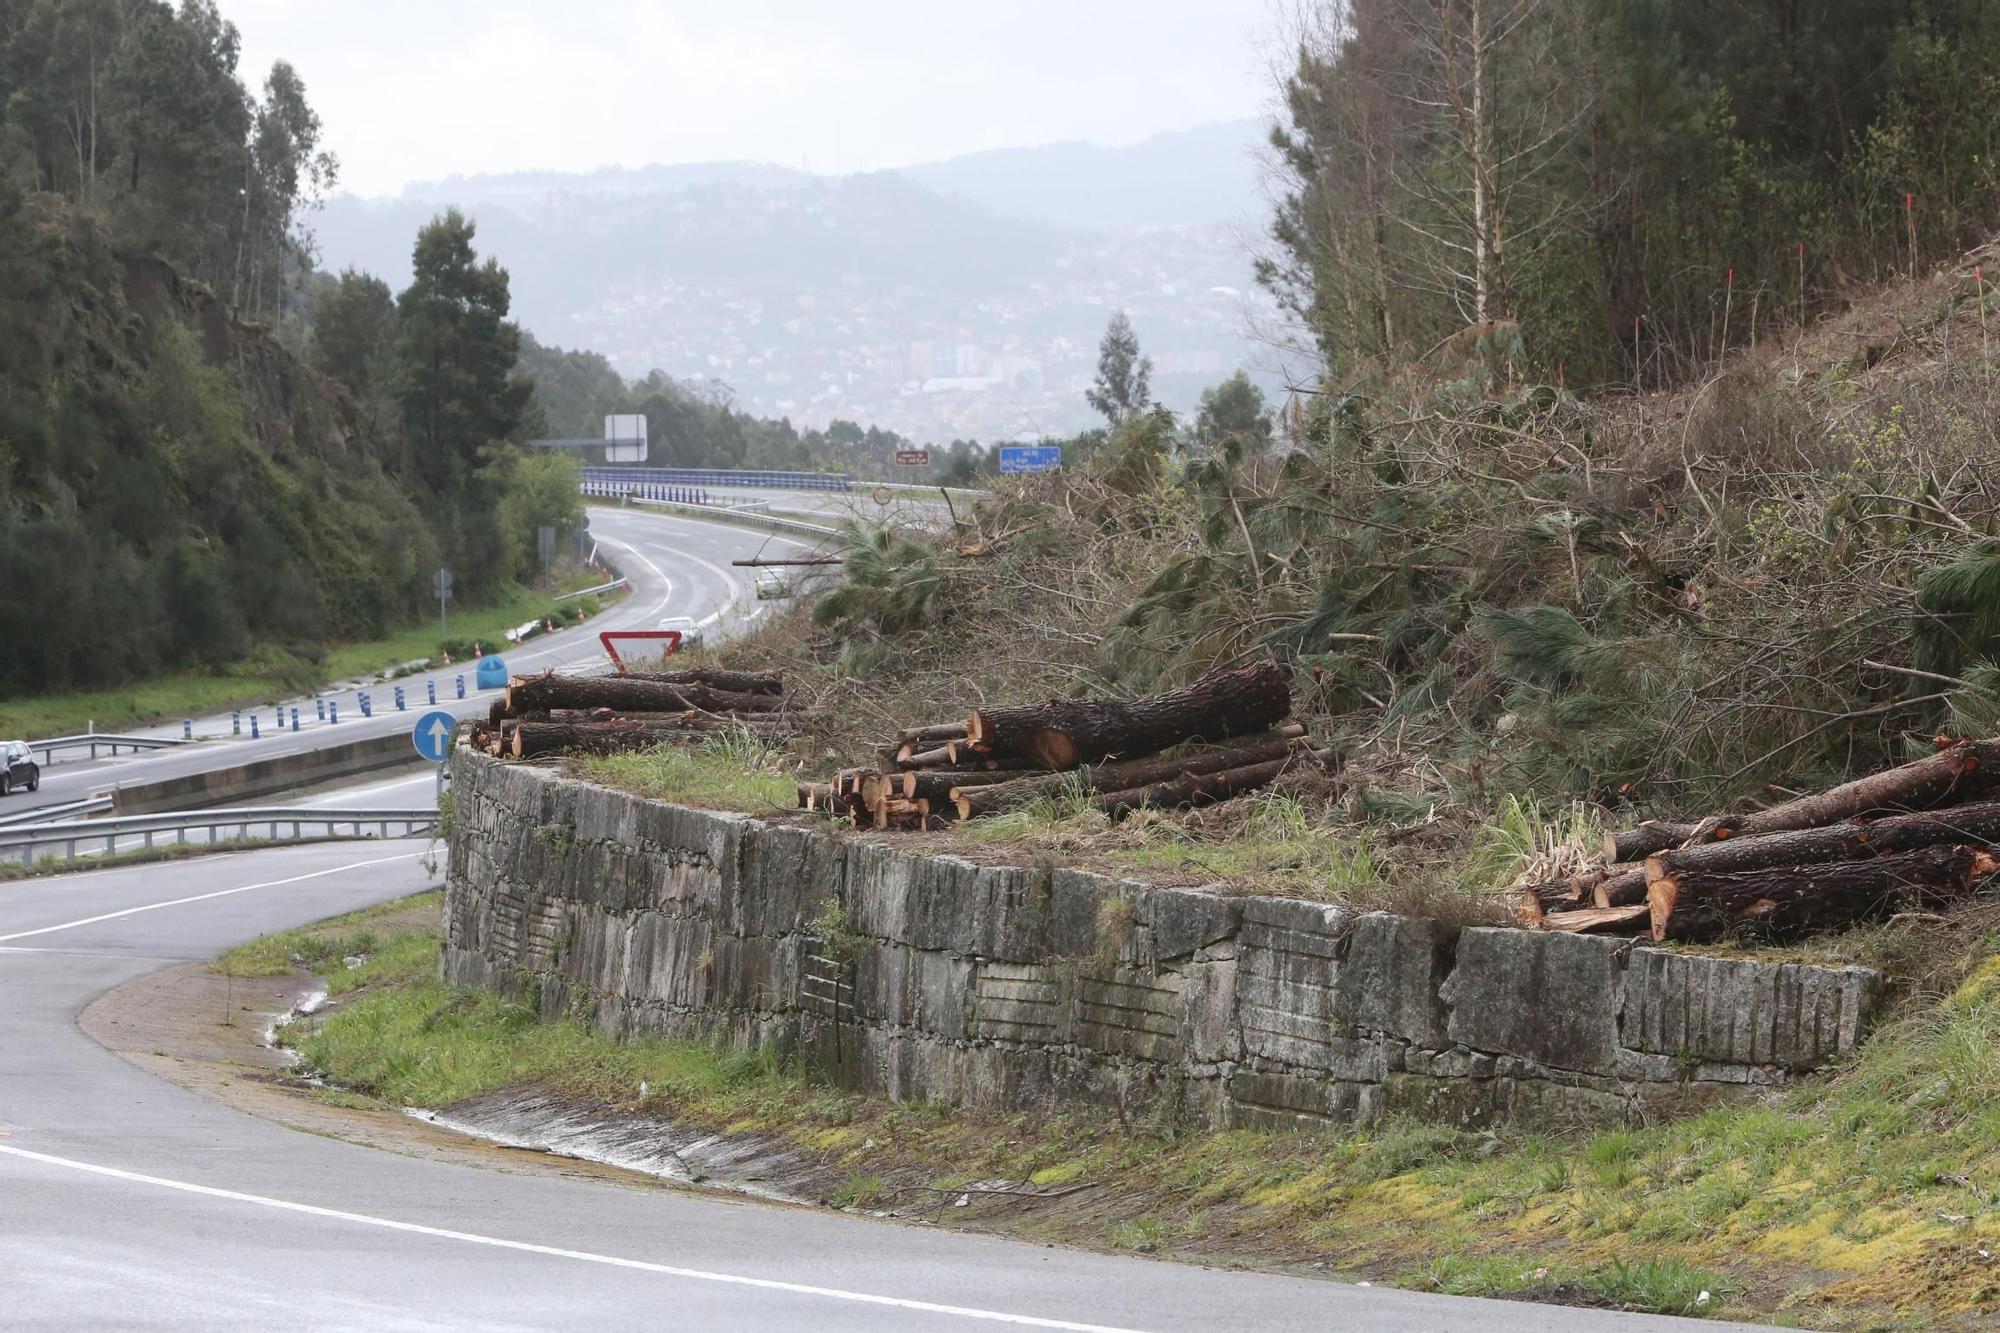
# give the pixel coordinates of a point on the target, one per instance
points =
(643, 490)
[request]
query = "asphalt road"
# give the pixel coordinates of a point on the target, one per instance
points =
(677, 567)
(128, 1202)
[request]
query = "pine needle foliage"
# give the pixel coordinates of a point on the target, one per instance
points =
(1961, 602)
(894, 583)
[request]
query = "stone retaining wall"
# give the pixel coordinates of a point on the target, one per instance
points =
(922, 976)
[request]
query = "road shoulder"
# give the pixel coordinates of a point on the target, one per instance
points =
(207, 1033)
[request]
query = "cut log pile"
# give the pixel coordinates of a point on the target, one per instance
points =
(551, 714)
(1230, 730)
(1913, 838)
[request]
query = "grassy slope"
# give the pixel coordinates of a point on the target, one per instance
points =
(1862, 1201)
(262, 678)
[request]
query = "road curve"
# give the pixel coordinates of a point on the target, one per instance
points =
(128, 1202)
(678, 567)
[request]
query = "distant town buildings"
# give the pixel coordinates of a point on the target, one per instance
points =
(1011, 360)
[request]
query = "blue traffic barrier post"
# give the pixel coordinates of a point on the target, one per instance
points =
(321, 705)
(399, 699)
(235, 724)
(253, 727)
(295, 717)
(333, 712)
(430, 691)
(367, 705)
(187, 728)
(461, 687)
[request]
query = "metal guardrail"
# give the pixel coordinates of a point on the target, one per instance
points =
(48, 814)
(103, 837)
(110, 740)
(690, 476)
(588, 592)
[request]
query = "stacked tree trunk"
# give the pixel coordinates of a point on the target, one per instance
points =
(1229, 731)
(1912, 838)
(550, 714)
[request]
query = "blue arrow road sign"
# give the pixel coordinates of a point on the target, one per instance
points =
(433, 733)
(1030, 458)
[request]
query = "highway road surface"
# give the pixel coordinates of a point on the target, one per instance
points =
(677, 567)
(128, 1202)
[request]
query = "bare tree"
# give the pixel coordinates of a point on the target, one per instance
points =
(1487, 84)
(1335, 158)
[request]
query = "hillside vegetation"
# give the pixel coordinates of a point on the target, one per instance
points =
(210, 459)
(1649, 463)
(1492, 589)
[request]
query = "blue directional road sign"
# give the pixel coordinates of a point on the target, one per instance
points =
(433, 734)
(1030, 458)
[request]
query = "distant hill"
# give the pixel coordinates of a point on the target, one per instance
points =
(531, 188)
(959, 298)
(1208, 174)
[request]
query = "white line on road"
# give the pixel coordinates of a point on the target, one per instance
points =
(204, 897)
(103, 953)
(585, 1256)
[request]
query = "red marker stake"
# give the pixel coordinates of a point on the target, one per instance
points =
(1979, 285)
(1728, 296)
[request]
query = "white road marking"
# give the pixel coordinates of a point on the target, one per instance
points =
(204, 897)
(666, 596)
(102, 953)
(584, 1256)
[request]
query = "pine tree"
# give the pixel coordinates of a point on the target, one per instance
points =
(461, 399)
(1124, 377)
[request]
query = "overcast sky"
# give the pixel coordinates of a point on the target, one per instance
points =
(422, 89)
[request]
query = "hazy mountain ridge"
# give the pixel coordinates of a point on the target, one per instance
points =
(1202, 176)
(926, 300)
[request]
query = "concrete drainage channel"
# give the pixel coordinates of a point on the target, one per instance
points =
(536, 1122)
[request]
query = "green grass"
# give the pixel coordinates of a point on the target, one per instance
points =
(267, 675)
(1140, 1234)
(1870, 1194)
(1651, 1286)
(393, 955)
(424, 1043)
(1275, 846)
(730, 770)
(487, 625)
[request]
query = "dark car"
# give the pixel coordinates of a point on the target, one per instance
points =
(18, 767)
